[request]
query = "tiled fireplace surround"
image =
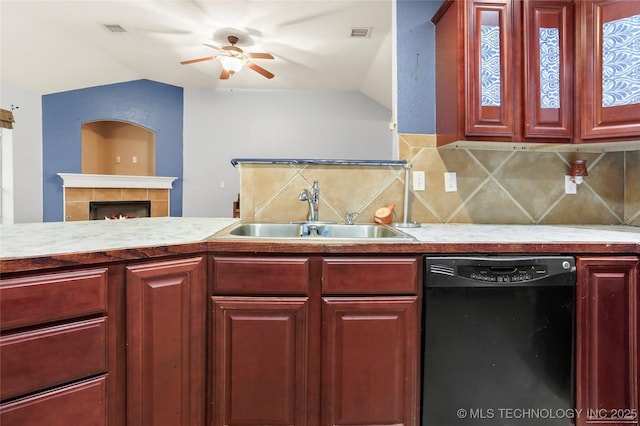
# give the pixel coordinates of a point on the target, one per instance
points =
(77, 200)
(81, 189)
(511, 187)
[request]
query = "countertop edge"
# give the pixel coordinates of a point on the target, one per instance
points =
(220, 246)
(50, 246)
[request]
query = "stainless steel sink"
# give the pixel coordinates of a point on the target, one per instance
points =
(360, 231)
(277, 230)
(315, 231)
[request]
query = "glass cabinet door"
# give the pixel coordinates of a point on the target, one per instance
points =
(492, 76)
(548, 68)
(610, 64)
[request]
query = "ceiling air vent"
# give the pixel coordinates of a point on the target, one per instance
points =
(114, 28)
(361, 32)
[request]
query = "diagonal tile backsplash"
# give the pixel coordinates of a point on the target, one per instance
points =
(269, 192)
(516, 187)
(525, 187)
(632, 188)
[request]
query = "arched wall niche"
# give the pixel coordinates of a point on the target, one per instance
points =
(112, 147)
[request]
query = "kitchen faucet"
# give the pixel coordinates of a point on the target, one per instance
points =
(313, 198)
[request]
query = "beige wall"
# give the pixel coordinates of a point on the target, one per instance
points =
(104, 141)
(519, 187)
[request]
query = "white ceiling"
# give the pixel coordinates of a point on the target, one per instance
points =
(51, 46)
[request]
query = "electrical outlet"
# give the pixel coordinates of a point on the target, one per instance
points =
(450, 182)
(570, 186)
(117, 159)
(418, 181)
(134, 159)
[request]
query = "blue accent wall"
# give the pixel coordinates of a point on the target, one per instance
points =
(156, 106)
(416, 66)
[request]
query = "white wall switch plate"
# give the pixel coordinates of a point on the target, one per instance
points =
(450, 182)
(570, 186)
(418, 181)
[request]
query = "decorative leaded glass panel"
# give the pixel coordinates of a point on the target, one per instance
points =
(549, 67)
(490, 64)
(621, 62)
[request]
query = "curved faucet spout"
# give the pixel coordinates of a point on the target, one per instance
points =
(313, 197)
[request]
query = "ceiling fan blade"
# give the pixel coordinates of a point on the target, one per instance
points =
(212, 46)
(224, 74)
(260, 70)
(259, 55)
(191, 61)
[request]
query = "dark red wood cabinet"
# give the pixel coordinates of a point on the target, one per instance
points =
(369, 360)
(533, 71)
(607, 340)
(165, 329)
(260, 354)
(370, 341)
(113, 346)
(305, 340)
(262, 341)
(60, 348)
(318, 341)
(491, 71)
(601, 114)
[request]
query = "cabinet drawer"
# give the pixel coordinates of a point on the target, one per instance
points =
(384, 275)
(37, 359)
(51, 297)
(82, 403)
(261, 275)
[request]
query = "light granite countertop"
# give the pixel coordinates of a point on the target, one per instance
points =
(529, 234)
(56, 238)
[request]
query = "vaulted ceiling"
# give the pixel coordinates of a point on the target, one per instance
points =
(49, 46)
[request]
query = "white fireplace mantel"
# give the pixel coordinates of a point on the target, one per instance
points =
(83, 180)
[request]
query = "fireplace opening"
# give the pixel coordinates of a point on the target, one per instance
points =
(101, 210)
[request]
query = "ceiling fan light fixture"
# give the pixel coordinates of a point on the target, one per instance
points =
(232, 63)
(233, 59)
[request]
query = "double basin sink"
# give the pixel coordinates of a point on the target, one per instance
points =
(317, 231)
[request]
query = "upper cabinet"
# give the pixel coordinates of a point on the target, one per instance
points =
(609, 83)
(548, 69)
(491, 67)
(505, 71)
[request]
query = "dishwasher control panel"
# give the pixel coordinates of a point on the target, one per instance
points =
(503, 274)
(499, 271)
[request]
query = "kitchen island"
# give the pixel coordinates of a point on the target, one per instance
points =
(151, 320)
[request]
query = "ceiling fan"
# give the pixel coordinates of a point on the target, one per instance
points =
(233, 59)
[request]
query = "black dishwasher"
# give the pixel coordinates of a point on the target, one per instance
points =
(498, 335)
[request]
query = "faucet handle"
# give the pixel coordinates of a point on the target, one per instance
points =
(350, 217)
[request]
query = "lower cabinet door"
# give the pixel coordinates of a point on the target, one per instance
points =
(260, 361)
(165, 307)
(607, 341)
(83, 403)
(370, 361)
